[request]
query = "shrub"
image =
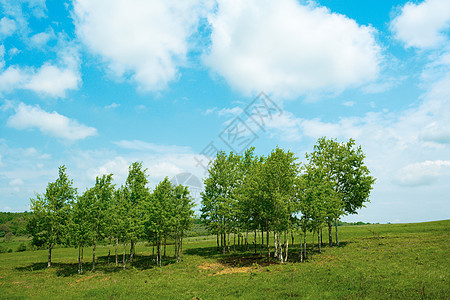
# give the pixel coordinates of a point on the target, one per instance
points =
(22, 247)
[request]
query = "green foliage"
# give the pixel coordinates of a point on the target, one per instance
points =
(48, 224)
(343, 164)
(22, 247)
(13, 222)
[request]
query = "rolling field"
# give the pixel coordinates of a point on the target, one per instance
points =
(401, 261)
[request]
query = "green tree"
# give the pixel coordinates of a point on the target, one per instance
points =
(135, 192)
(48, 224)
(182, 216)
(279, 178)
(344, 166)
(97, 214)
(80, 227)
(219, 200)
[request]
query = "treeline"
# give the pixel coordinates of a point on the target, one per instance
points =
(123, 215)
(276, 194)
(12, 224)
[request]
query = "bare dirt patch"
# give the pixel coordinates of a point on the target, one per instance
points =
(221, 269)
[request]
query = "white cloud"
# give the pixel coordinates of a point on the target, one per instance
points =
(2, 56)
(53, 81)
(349, 103)
(16, 182)
(423, 25)
(53, 124)
(284, 126)
(148, 40)
(7, 27)
(423, 173)
(40, 39)
(288, 49)
(112, 106)
(145, 146)
(235, 111)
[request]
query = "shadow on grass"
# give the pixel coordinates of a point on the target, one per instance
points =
(140, 262)
(244, 258)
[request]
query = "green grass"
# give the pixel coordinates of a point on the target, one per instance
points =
(400, 261)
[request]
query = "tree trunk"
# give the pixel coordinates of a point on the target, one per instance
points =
(312, 244)
(123, 257)
(330, 237)
(336, 225)
(80, 266)
(261, 245)
(255, 241)
(228, 246)
(131, 251)
(181, 244)
(292, 237)
(93, 257)
(49, 262)
(117, 255)
(301, 249)
(280, 248)
(287, 247)
(234, 242)
(165, 243)
(304, 244)
(268, 247)
(218, 246)
(275, 243)
(321, 241)
(319, 236)
(247, 247)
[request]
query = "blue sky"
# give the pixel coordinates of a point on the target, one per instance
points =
(97, 85)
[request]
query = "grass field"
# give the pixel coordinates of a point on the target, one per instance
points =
(400, 261)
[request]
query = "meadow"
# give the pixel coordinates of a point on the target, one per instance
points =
(401, 261)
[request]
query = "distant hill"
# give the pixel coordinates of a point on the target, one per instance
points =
(14, 223)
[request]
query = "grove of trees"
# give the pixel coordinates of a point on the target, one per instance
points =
(276, 195)
(123, 215)
(243, 195)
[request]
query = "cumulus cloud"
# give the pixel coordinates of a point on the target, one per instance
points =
(52, 79)
(423, 173)
(148, 40)
(7, 27)
(40, 39)
(288, 49)
(423, 25)
(53, 124)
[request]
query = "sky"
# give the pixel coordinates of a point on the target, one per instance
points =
(98, 85)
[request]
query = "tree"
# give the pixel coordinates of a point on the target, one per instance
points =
(80, 228)
(100, 198)
(344, 166)
(158, 213)
(135, 192)
(183, 206)
(48, 224)
(317, 202)
(279, 176)
(219, 200)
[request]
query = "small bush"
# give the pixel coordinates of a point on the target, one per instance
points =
(3, 249)
(22, 247)
(10, 250)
